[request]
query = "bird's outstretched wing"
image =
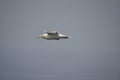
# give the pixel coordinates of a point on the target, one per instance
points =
(52, 32)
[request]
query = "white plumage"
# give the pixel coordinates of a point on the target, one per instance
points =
(52, 35)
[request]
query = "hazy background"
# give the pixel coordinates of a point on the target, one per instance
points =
(92, 53)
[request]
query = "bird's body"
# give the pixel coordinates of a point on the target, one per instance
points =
(53, 35)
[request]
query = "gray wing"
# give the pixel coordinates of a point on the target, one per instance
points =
(52, 32)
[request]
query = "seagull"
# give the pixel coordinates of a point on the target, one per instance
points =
(52, 35)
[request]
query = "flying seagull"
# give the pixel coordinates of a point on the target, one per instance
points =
(52, 35)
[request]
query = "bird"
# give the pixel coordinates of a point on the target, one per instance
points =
(52, 35)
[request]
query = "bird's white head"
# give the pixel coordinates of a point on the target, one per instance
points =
(42, 36)
(39, 36)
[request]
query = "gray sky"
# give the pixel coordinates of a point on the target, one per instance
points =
(94, 25)
(92, 53)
